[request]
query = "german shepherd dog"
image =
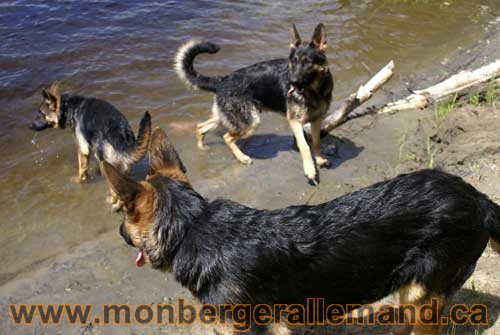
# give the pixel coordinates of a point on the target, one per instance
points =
(300, 87)
(420, 234)
(97, 125)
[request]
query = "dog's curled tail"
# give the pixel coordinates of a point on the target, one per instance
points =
(143, 137)
(492, 223)
(184, 65)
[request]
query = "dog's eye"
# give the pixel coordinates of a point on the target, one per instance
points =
(319, 59)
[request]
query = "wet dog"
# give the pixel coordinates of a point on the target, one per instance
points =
(97, 126)
(420, 234)
(300, 87)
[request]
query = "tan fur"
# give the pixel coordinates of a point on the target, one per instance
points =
(280, 329)
(495, 246)
(204, 127)
(161, 164)
(411, 293)
(54, 91)
(421, 329)
(141, 148)
(141, 220)
(415, 294)
(83, 166)
(316, 139)
(305, 152)
(173, 173)
(230, 141)
(224, 328)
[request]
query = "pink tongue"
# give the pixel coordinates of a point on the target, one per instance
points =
(139, 261)
(291, 90)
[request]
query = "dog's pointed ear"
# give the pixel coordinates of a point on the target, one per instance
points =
(162, 154)
(54, 89)
(47, 95)
(319, 38)
(125, 188)
(295, 38)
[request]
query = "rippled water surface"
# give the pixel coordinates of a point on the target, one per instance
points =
(122, 51)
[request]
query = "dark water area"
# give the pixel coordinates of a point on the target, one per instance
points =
(122, 51)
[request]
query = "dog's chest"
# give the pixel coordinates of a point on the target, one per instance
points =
(306, 109)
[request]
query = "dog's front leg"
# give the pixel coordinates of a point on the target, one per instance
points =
(316, 143)
(305, 152)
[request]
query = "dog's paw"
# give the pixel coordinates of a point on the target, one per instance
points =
(79, 179)
(313, 181)
(311, 174)
(110, 199)
(202, 146)
(245, 160)
(322, 162)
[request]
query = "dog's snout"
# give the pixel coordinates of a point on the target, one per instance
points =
(40, 123)
(296, 81)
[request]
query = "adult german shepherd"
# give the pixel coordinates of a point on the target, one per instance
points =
(300, 87)
(420, 234)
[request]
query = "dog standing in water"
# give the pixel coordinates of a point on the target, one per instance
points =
(97, 126)
(300, 87)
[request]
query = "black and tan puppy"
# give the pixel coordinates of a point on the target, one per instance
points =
(420, 234)
(300, 87)
(97, 126)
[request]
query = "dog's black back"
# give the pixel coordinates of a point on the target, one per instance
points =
(265, 83)
(99, 122)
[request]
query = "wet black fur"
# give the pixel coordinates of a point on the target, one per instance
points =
(429, 226)
(98, 121)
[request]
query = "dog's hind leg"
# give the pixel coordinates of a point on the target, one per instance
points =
(305, 151)
(240, 128)
(83, 166)
(204, 127)
(316, 144)
(429, 324)
(413, 298)
(230, 140)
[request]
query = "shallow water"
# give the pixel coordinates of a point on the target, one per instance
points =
(122, 51)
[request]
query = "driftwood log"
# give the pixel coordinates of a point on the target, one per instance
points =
(455, 85)
(459, 84)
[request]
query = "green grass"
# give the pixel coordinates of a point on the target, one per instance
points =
(442, 110)
(405, 156)
(430, 153)
(402, 142)
(492, 93)
(475, 100)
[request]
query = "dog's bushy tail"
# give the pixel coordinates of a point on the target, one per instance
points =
(184, 65)
(492, 222)
(143, 137)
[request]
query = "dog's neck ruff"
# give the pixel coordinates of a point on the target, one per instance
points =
(178, 207)
(66, 112)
